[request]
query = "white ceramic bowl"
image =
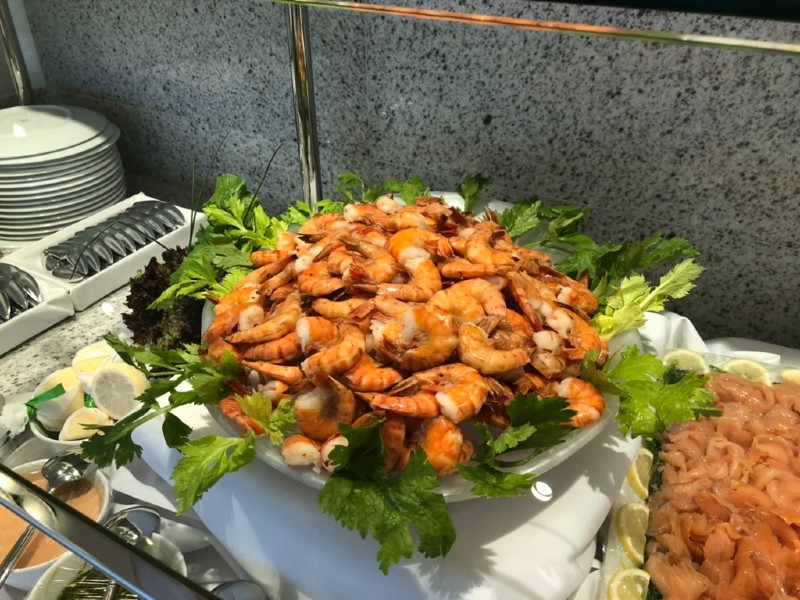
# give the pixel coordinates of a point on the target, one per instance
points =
(25, 579)
(53, 443)
(66, 568)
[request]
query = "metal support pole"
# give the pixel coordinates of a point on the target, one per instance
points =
(16, 64)
(305, 113)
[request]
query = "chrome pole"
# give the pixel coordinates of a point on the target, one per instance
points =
(16, 64)
(305, 113)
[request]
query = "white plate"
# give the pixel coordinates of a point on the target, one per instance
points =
(79, 152)
(57, 168)
(29, 131)
(48, 190)
(453, 487)
(64, 204)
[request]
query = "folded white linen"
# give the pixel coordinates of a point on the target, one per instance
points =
(510, 548)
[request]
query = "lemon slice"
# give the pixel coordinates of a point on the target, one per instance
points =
(631, 525)
(115, 388)
(639, 473)
(686, 360)
(89, 359)
(749, 369)
(629, 584)
(73, 427)
(52, 413)
(790, 376)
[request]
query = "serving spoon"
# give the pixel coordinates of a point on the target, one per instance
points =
(134, 525)
(65, 467)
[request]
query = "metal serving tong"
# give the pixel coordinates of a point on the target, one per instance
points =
(18, 291)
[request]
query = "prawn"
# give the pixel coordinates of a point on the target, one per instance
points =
(314, 333)
(393, 437)
(323, 224)
(421, 405)
(534, 299)
(273, 390)
(281, 319)
(338, 357)
(479, 249)
(379, 266)
(406, 218)
(288, 241)
(470, 299)
(424, 282)
(317, 281)
(261, 258)
(369, 376)
(224, 323)
(461, 268)
(414, 245)
(584, 398)
(510, 331)
(477, 350)
(444, 444)
(574, 294)
(301, 451)
(460, 390)
(388, 204)
(259, 275)
(362, 212)
(283, 350)
(337, 309)
(232, 408)
(424, 337)
(320, 409)
(218, 348)
(276, 282)
(285, 373)
(239, 295)
(578, 333)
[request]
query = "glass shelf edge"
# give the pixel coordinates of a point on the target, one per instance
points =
(643, 35)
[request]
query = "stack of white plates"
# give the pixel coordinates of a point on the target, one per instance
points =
(58, 165)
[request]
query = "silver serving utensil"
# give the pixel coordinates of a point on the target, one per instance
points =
(64, 467)
(135, 525)
(5, 306)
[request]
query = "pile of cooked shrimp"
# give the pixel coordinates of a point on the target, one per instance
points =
(420, 316)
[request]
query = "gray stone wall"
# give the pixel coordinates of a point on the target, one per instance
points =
(694, 142)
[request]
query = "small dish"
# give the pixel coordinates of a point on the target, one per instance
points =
(53, 443)
(25, 578)
(66, 568)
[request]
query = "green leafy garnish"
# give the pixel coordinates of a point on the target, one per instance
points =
(363, 496)
(470, 189)
(168, 369)
(205, 461)
(536, 424)
(626, 306)
(277, 422)
(409, 190)
(351, 184)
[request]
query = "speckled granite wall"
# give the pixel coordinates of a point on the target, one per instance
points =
(694, 142)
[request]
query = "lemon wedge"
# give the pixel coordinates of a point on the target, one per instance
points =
(52, 413)
(89, 359)
(629, 584)
(686, 360)
(749, 369)
(73, 427)
(115, 388)
(631, 526)
(790, 376)
(639, 473)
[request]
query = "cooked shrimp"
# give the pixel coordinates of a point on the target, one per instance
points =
(393, 436)
(320, 248)
(534, 298)
(414, 245)
(338, 357)
(460, 389)
(364, 213)
(225, 323)
(579, 333)
(379, 265)
(388, 204)
(262, 258)
(320, 409)
(301, 451)
(288, 241)
(443, 443)
(239, 295)
(286, 373)
(281, 319)
(263, 273)
(327, 448)
(421, 405)
(219, 347)
(584, 398)
(425, 337)
(479, 249)
(471, 299)
(461, 268)
(339, 260)
(274, 390)
(406, 218)
(282, 293)
(324, 224)
(510, 331)
(477, 350)
(232, 409)
(282, 279)
(315, 333)
(371, 233)
(317, 281)
(569, 291)
(283, 350)
(337, 309)
(424, 281)
(547, 358)
(369, 376)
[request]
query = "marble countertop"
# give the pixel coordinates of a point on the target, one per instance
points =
(24, 366)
